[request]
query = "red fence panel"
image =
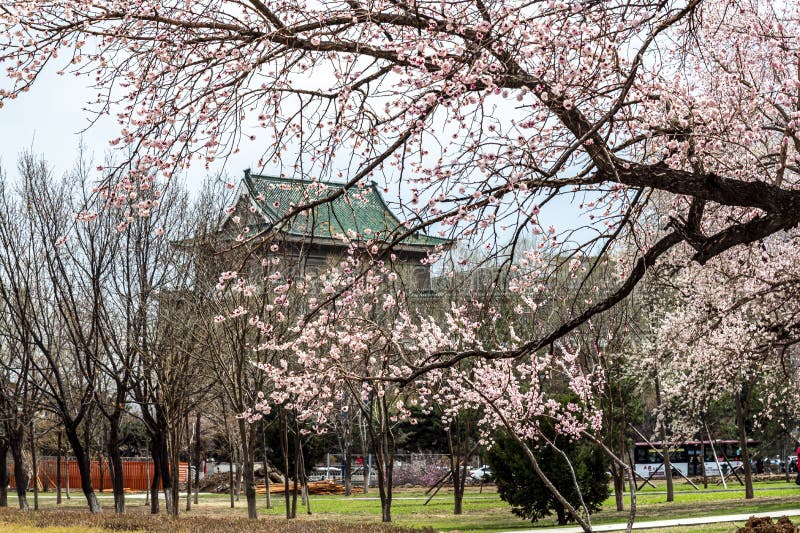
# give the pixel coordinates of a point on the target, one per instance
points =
(136, 474)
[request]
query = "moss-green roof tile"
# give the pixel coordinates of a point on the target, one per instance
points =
(359, 213)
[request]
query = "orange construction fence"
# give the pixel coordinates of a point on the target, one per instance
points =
(136, 474)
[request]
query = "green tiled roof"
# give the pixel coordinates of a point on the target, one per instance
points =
(359, 214)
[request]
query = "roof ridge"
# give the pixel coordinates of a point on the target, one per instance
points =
(273, 195)
(305, 181)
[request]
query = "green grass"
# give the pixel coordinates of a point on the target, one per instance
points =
(483, 512)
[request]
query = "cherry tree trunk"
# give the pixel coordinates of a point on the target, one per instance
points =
(741, 419)
(385, 466)
(285, 455)
(247, 433)
(664, 447)
(266, 466)
(348, 471)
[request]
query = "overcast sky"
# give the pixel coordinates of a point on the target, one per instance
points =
(50, 120)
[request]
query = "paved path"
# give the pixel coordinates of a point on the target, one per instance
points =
(665, 523)
(737, 488)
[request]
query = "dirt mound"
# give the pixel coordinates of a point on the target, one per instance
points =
(766, 525)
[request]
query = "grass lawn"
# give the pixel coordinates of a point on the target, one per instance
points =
(483, 512)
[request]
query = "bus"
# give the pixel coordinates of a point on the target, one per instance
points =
(687, 457)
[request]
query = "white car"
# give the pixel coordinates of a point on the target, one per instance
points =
(482, 473)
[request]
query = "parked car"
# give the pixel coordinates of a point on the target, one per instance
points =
(482, 473)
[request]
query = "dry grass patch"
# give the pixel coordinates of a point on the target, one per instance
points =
(62, 520)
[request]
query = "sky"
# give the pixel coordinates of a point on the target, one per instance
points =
(50, 121)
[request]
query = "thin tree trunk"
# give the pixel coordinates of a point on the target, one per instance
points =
(618, 477)
(147, 482)
(35, 468)
(66, 479)
(266, 466)
(115, 466)
(285, 454)
(664, 447)
(304, 480)
(296, 467)
(247, 432)
(385, 455)
(4, 474)
(741, 419)
(58, 471)
(102, 471)
(230, 481)
(197, 458)
(703, 463)
(188, 465)
(155, 452)
(239, 476)
(785, 460)
(348, 471)
(454, 447)
(368, 474)
(174, 467)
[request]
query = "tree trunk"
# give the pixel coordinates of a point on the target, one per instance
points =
(384, 453)
(562, 516)
(296, 468)
(173, 499)
(156, 481)
(196, 457)
(115, 466)
(384, 466)
(785, 460)
(238, 477)
(348, 471)
(21, 474)
(66, 480)
(266, 467)
(618, 477)
(58, 471)
(84, 467)
(230, 481)
(4, 474)
(102, 472)
(304, 482)
(247, 433)
(285, 454)
(664, 447)
(741, 419)
(456, 446)
(703, 462)
(167, 475)
(188, 465)
(35, 468)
